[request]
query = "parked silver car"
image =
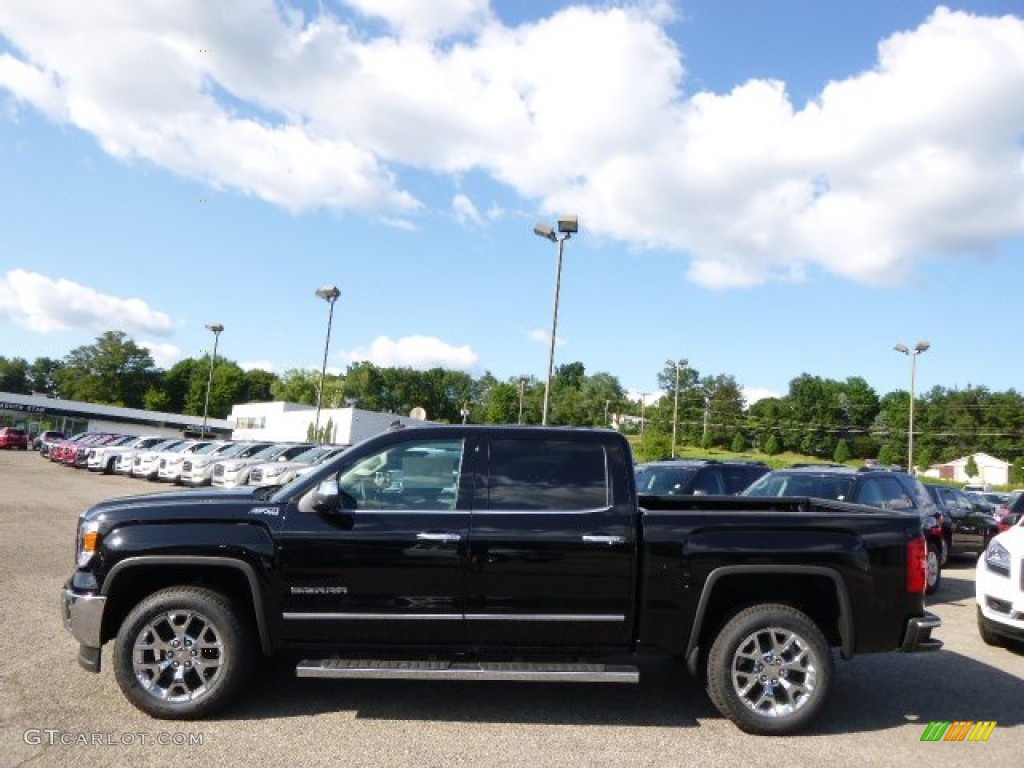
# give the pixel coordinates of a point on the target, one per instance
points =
(281, 472)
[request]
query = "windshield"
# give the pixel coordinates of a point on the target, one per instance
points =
(817, 486)
(311, 455)
(663, 481)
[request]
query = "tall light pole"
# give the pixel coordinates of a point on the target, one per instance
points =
(643, 412)
(330, 294)
(567, 227)
(522, 388)
(217, 328)
(922, 346)
(680, 363)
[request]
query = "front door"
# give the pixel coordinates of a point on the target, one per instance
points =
(387, 568)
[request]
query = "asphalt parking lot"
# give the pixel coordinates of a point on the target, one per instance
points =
(52, 712)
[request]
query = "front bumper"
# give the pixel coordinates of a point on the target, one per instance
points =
(83, 618)
(1000, 597)
(918, 636)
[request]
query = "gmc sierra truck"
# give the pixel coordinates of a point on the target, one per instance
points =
(492, 553)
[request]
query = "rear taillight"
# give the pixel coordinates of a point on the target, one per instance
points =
(917, 565)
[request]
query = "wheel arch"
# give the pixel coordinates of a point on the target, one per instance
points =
(817, 591)
(135, 578)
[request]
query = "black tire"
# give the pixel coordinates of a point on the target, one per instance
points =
(768, 694)
(988, 637)
(182, 653)
(933, 573)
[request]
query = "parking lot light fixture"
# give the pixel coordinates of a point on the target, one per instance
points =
(678, 364)
(330, 294)
(567, 227)
(217, 329)
(920, 348)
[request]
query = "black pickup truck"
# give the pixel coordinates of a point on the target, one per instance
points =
(492, 553)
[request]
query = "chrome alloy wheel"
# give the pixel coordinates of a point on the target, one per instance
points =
(178, 655)
(774, 672)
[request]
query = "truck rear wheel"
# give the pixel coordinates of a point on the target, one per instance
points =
(182, 653)
(934, 572)
(770, 670)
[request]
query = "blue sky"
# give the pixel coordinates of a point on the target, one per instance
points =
(765, 189)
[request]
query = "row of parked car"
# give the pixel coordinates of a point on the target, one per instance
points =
(193, 462)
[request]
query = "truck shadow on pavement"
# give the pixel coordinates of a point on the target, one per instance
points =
(870, 693)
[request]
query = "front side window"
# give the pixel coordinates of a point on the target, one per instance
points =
(532, 474)
(415, 475)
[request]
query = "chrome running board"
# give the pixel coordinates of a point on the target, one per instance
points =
(525, 672)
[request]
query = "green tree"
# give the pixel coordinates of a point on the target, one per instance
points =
(257, 386)
(113, 370)
(772, 446)
(42, 375)
(842, 452)
(886, 455)
(298, 386)
(971, 468)
(739, 445)
(14, 375)
(156, 399)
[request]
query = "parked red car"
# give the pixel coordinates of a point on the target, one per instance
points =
(12, 437)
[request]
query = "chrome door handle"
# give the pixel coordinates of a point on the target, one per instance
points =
(443, 538)
(589, 538)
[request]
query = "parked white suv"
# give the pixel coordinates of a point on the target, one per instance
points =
(102, 458)
(125, 454)
(233, 472)
(146, 463)
(172, 465)
(198, 470)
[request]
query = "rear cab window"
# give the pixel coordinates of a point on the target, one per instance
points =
(544, 474)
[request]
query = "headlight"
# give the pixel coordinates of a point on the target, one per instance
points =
(176, 460)
(200, 463)
(273, 471)
(997, 558)
(232, 467)
(89, 539)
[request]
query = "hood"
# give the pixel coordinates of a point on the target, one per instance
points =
(179, 506)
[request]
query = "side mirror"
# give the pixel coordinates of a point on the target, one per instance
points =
(325, 497)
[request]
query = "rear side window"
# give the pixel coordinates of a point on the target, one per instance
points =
(738, 478)
(538, 474)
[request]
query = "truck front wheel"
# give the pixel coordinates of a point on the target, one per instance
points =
(182, 653)
(770, 670)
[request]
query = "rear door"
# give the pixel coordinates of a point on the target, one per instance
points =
(552, 545)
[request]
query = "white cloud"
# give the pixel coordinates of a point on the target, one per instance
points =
(544, 337)
(43, 304)
(752, 394)
(164, 355)
(584, 110)
(419, 352)
(647, 398)
(464, 210)
(258, 365)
